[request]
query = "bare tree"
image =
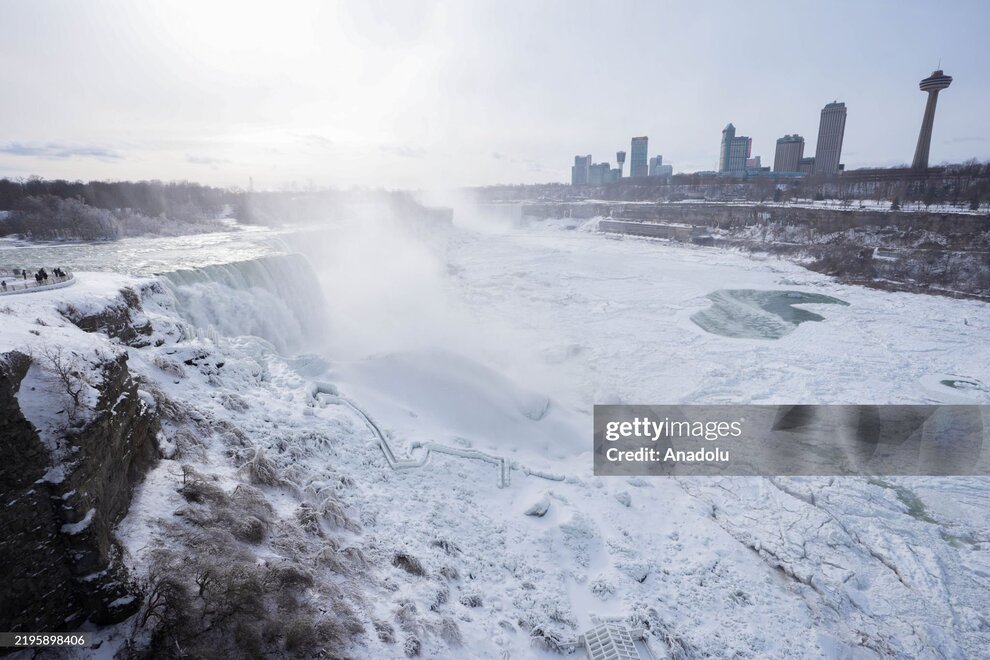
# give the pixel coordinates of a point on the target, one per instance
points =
(68, 374)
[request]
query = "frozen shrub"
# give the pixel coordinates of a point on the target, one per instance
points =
(560, 614)
(261, 470)
(166, 407)
(333, 513)
(234, 402)
(450, 632)
(199, 489)
(244, 513)
(412, 646)
(250, 500)
(291, 575)
(407, 615)
(602, 588)
(447, 546)
(408, 563)
(288, 540)
(250, 530)
(677, 647)
(299, 635)
(546, 640)
(330, 558)
(470, 600)
(309, 519)
(385, 631)
(408, 619)
(450, 572)
(170, 367)
(441, 597)
(186, 444)
(355, 556)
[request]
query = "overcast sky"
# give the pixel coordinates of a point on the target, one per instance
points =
(418, 94)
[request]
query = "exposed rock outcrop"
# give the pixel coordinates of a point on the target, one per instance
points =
(123, 320)
(61, 564)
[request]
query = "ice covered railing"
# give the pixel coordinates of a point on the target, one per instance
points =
(24, 281)
(610, 639)
(324, 394)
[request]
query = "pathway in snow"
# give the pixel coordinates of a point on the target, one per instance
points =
(329, 395)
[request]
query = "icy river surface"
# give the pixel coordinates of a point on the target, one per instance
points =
(500, 337)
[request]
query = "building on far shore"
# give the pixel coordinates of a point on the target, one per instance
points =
(658, 169)
(602, 173)
(806, 165)
(831, 129)
(790, 151)
(638, 157)
(734, 152)
(581, 171)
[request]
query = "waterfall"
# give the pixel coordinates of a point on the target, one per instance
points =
(277, 298)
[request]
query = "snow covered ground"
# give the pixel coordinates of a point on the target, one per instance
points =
(501, 338)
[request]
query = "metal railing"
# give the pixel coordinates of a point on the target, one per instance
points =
(329, 395)
(22, 281)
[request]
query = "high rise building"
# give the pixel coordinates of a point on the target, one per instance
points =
(638, 156)
(728, 134)
(739, 152)
(830, 131)
(600, 173)
(658, 169)
(734, 151)
(790, 151)
(581, 171)
(620, 158)
(933, 85)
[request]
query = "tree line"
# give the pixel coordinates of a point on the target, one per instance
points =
(42, 209)
(177, 199)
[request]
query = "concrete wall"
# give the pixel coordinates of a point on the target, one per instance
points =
(729, 216)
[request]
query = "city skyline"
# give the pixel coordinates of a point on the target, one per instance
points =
(390, 94)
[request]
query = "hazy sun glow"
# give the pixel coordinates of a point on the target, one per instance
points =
(405, 94)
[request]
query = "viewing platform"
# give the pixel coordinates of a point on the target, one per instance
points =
(14, 281)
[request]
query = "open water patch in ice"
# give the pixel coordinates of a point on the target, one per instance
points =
(759, 314)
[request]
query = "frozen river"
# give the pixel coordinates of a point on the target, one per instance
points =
(501, 337)
(590, 318)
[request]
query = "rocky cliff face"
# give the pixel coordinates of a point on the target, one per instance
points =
(61, 564)
(123, 320)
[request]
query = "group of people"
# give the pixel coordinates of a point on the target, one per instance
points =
(40, 277)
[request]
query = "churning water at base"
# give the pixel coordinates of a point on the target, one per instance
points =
(755, 314)
(277, 298)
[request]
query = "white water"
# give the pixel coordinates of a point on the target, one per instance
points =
(277, 298)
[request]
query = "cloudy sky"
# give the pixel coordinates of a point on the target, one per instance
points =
(419, 94)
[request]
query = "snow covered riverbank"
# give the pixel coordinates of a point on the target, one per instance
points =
(500, 340)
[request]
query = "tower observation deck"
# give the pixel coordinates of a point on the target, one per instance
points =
(933, 84)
